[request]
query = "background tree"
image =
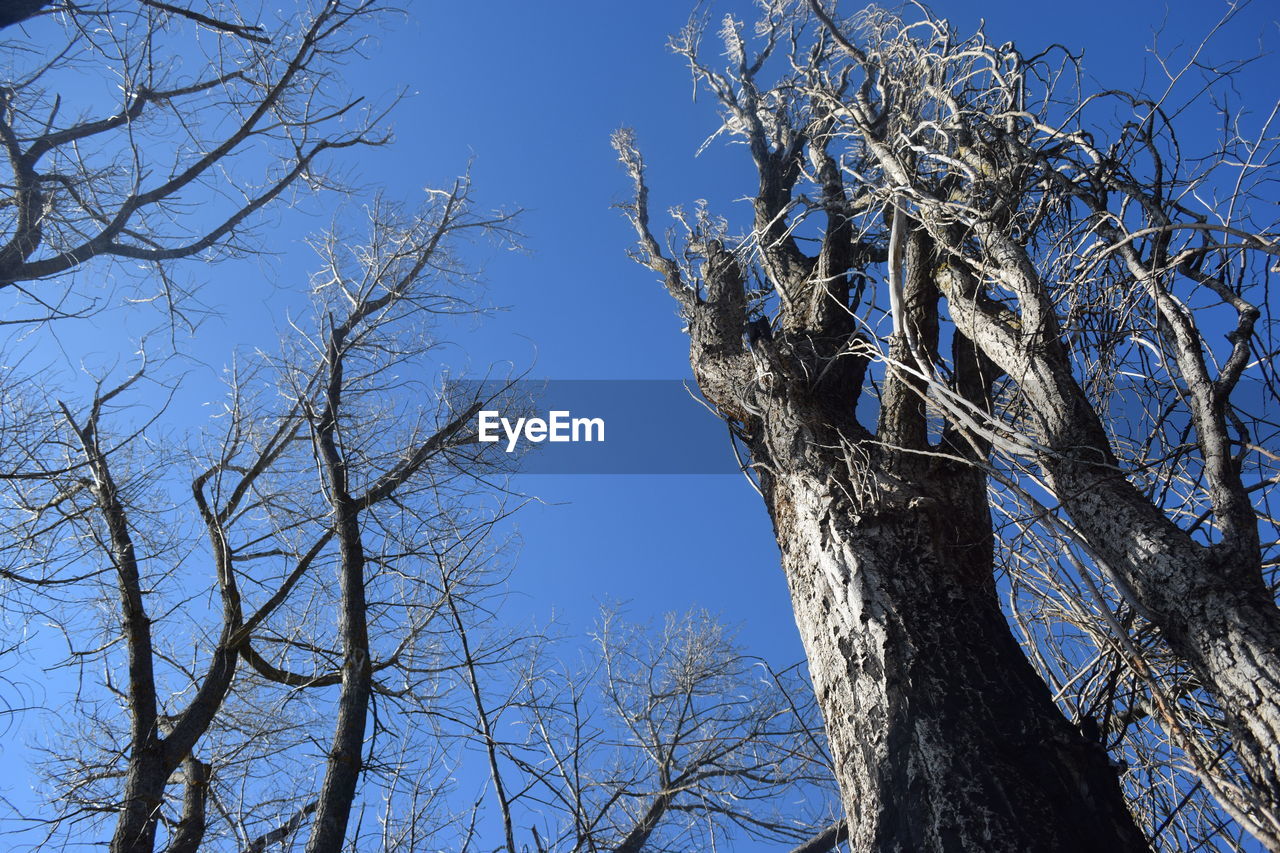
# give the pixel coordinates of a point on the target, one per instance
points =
(659, 738)
(324, 463)
(983, 269)
(120, 121)
(151, 132)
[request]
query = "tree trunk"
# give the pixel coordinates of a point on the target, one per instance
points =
(342, 770)
(189, 833)
(639, 835)
(945, 738)
(345, 761)
(143, 795)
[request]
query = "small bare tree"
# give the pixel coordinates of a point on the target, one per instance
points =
(664, 738)
(1021, 277)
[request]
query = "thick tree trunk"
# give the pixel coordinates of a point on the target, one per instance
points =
(945, 738)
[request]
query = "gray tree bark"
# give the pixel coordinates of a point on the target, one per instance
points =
(944, 736)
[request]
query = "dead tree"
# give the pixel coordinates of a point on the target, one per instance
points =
(938, 233)
(1087, 264)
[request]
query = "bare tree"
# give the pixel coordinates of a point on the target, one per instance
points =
(215, 114)
(264, 651)
(660, 738)
(325, 464)
(183, 123)
(986, 269)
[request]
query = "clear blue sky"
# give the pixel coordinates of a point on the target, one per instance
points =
(531, 92)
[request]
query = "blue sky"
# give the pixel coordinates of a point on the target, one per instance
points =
(529, 92)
